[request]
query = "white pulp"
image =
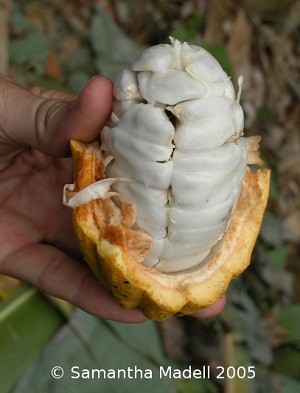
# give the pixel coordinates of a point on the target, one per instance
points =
(176, 136)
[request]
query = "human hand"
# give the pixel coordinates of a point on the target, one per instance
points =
(37, 243)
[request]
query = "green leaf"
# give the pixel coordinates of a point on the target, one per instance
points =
(288, 317)
(284, 384)
(90, 343)
(200, 386)
(18, 20)
(77, 81)
(31, 49)
(181, 33)
(8, 286)
(27, 322)
(112, 48)
(271, 231)
(188, 30)
(287, 361)
(241, 360)
(279, 257)
(243, 317)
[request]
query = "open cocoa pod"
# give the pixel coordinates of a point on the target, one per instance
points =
(166, 208)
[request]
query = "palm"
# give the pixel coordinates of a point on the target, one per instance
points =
(31, 206)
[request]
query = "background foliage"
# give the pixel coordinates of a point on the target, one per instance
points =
(60, 45)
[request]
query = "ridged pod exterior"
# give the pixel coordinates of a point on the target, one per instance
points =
(113, 252)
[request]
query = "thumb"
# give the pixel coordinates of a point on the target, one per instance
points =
(48, 124)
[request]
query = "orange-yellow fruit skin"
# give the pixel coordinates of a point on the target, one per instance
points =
(111, 251)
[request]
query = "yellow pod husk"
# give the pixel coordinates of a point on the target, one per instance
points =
(114, 250)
